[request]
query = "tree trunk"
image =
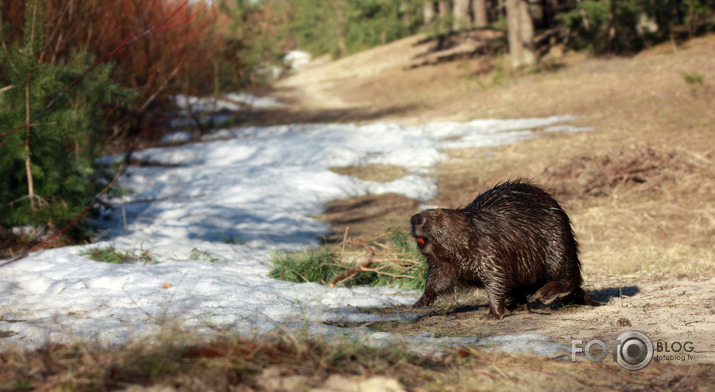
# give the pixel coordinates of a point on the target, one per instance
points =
(520, 34)
(611, 26)
(341, 30)
(479, 13)
(443, 8)
(526, 30)
(428, 11)
(537, 10)
(460, 12)
(28, 165)
(406, 13)
(515, 45)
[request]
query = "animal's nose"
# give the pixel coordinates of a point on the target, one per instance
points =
(417, 220)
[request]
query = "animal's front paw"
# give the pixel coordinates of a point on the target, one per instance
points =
(423, 302)
(496, 312)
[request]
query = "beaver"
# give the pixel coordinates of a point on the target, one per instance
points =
(514, 240)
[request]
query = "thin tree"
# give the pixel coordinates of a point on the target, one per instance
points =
(340, 27)
(520, 34)
(34, 36)
(526, 32)
(460, 12)
(479, 13)
(443, 8)
(428, 11)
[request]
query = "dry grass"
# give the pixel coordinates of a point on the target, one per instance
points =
(290, 362)
(662, 226)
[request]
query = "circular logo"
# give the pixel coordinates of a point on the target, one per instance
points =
(635, 351)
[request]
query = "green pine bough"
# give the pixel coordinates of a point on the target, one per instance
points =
(396, 263)
(48, 169)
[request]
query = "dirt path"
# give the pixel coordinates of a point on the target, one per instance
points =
(668, 311)
(640, 188)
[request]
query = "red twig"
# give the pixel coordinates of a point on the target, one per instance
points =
(128, 40)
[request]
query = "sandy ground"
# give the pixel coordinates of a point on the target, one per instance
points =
(668, 311)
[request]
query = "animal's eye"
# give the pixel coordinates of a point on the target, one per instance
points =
(420, 240)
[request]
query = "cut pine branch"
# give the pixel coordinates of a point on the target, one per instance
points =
(365, 266)
(347, 274)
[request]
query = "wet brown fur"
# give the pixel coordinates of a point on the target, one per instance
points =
(513, 240)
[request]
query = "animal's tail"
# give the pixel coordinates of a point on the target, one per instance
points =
(564, 290)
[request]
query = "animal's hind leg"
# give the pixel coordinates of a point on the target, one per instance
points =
(579, 297)
(520, 302)
(553, 290)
